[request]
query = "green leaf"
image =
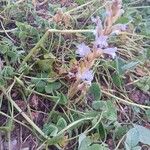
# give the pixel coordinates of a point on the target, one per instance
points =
(61, 123)
(111, 112)
(2, 81)
(50, 129)
(117, 80)
(81, 138)
(136, 148)
(132, 138)
(144, 134)
(23, 26)
(24, 68)
(4, 48)
(45, 65)
(101, 130)
(136, 135)
(40, 85)
(120, 131)
(95, 91)
(99, 105)
(144, 84)
(148, 114)
(130, 65)
(80, 2)
(12, 55)
(148, 53)
(50, 87)
(119, 63)
(39, 82)
(85, 143)
(63, 98)
(121, 66)
(7, 71)
(60, 98)
(123, 20)
(23, 35)
(91, 113)
(108, 108)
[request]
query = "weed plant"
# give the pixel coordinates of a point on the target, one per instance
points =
(75, 75)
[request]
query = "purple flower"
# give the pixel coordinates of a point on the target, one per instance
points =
(118, 28)
(98, 30)
(82, 50)
(108, 13)
(101, 42)
(123, 27)
(94, 19)
(111, 51)
(86, 76)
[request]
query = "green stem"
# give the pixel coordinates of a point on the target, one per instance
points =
(139, 7)
(126, 101)
(23, 114)
(6, 31)
(70, 31)
(73, 124)
(79, 7)
(35, 49)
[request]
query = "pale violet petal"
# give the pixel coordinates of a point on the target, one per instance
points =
(99, 27)
(115, 32)
(94, 19)
(111, 51)
(87, 76)
(101, 42)
(118, 28)
(108, 13)
(82, 50)
(122, 27)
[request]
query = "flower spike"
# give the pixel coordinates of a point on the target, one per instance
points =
(82, 50)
